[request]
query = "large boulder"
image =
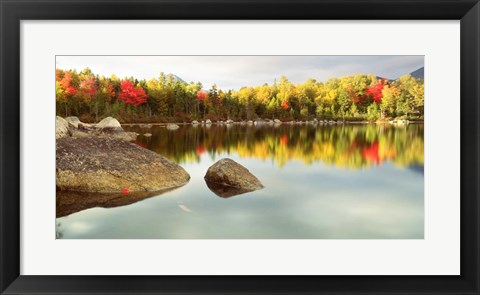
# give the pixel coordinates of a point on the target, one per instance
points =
(110, 127)
(109, 124)
(102, 164)
(74, 121)
(61, 127)
(227, 176)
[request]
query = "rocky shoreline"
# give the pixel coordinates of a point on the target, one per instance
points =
(99, 158)
(275, 122)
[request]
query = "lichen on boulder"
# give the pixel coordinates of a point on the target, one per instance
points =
(227, 178)
(102, 164)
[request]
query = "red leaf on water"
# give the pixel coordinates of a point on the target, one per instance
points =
(125, 191)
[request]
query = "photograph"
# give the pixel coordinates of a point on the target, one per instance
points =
(239, 147)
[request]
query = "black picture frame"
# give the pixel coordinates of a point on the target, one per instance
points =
(13, 11)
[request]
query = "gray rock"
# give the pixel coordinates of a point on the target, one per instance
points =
(194, 122)
(171, 126)
(74, 121)
(110, 127)
(102, 164)
(276, 121)
(208, 122)
(147, 135)
(109, 124)
(130, 136)
(61, 127)
(227, 175)
(77, 133)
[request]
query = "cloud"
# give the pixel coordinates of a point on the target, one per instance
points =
(233, 72)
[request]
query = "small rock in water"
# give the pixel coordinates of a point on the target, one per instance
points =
(147, 134)
(227, 178)
(171, 126)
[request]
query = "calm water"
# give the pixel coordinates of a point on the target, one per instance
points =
(321, 182)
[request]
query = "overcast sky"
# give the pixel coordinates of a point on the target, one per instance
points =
(234, 72)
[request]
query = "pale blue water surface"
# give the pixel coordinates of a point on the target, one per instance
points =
(321, 182)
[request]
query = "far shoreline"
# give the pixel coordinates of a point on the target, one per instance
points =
(244, 123)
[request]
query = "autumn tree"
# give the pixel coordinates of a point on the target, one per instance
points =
(358, 96)
(132, 95)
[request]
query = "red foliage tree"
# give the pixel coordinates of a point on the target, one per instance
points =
(285, 105)
(202, 95)
(354, 96)
(88, 87)
(375, 92)
(131, 94)
(66, 84)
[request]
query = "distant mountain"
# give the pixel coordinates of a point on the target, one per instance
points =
(418, 74)
(383, 78)
(177, 78)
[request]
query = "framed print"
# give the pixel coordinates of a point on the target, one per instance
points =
(239, 147)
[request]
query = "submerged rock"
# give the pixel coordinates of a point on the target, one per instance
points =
(61, 127)
(98, 164)
(227, 178)
(69, 202)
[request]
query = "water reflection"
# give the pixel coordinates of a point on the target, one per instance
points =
(321, 182)
(347, 146)
(225, 191)
(70, 202)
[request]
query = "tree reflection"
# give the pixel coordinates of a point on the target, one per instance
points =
(346, 146)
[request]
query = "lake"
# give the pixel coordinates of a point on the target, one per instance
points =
(354, 181)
